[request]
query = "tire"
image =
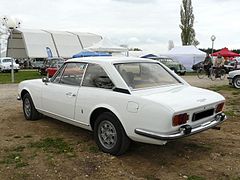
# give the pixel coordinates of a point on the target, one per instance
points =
(182, 73)
(201, 73)
(114, 139)
(213, 74)
(236, 82)
(174, 69)
(29, 109)
(222, 74)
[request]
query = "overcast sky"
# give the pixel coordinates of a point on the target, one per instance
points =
(147, 24)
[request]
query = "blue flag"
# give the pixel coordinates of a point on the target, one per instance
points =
(49, 52)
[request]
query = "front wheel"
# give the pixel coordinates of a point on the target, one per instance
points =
(213, 74)
(29, 109)
(109, 134)
(236, 82)
(201, 73)
(222, 74)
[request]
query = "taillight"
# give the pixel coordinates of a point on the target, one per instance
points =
(180, 119)
(219, 107)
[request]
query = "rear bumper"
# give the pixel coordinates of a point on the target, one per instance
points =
(185, 130)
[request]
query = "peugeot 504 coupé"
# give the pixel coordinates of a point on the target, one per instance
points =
(122, 99)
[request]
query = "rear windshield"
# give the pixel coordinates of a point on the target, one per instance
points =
(145, 75)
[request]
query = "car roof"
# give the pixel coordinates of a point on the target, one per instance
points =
(109, 60)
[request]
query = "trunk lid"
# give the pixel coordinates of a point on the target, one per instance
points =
(181, 97)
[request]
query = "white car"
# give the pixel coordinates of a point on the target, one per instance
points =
(6, 64)
(234, 78)
(123, 99)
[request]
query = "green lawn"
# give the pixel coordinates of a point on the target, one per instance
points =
(19, 76)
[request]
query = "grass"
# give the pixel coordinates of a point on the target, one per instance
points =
(94, 149)
(19, 148)
(14, 158)
(20, 76)
(195, 178)
(229, 112)
(150, 177)
(223, 88)
(193, 73)
(57, 145)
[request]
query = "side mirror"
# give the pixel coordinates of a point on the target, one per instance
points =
(45, 80)
(103, 82)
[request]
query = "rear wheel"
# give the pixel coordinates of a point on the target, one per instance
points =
(110, 135)
(213, 74)
(201, 73)
(29, 109)
(182, 73)
(236, 82)
(222, 74)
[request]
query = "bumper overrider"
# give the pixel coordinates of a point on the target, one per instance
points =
(230, 80)
(185, 130)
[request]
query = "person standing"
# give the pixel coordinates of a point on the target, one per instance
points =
(207, 64)
(218, 64)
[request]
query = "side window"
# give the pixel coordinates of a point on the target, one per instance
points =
(95, 76)
(70, 74)
(56, 78)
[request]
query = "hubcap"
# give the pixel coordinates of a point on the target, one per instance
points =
(27, 107)
(107, 134)
(237, 82)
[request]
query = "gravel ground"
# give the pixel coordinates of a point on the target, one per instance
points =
(25, 151)
(205, 82)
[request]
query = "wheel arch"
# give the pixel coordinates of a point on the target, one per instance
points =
(23, 92)
(101, 109)
(237, 75)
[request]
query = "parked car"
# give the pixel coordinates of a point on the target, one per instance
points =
(174, 65)
(234, 78)
(52, 69)
(37, 63)
(50, 66)
(122, 99)
(6, 64)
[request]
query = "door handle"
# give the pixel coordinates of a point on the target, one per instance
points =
(70, 94)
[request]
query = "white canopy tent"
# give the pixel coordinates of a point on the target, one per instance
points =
(26, 43)
(107, 46)
(66, 43)
(187, 55)
(88, 39)
(32, 43)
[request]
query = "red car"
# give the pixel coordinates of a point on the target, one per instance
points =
(50, 66)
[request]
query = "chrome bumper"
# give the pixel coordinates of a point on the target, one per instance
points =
(185, 130)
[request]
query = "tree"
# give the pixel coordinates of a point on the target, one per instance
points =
(187, 21)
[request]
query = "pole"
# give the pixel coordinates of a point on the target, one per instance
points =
(12, 68)
(213, 38)
(12, 71)
(212, 50)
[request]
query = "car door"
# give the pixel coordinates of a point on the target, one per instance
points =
(59, 95)
(96, 86)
